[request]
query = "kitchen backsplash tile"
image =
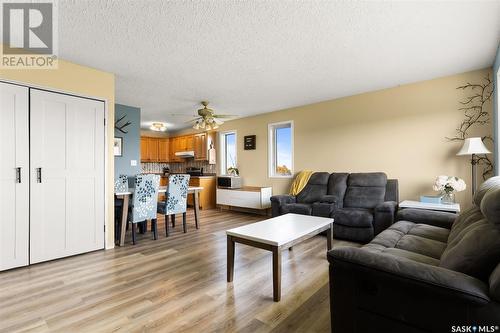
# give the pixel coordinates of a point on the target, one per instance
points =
(155, 167)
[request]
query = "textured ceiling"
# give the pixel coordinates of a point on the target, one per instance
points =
(250, 57)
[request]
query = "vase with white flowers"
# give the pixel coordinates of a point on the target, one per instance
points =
(447, 186)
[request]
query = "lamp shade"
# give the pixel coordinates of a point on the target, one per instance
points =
(473, 146)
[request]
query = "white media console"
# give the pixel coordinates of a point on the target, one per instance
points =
(253, 197)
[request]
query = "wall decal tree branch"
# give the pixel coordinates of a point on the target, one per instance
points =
(473, 107)
(121, 127)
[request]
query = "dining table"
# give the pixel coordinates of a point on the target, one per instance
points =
(125, 196)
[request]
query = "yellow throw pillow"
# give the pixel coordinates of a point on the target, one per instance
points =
(300, 182)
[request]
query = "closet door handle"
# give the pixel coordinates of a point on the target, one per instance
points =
(38, 175)
(18, 175)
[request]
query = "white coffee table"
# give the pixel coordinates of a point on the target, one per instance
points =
(274, 235)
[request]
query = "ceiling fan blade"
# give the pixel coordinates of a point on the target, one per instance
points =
(218, 121)
(192, 120)
(224, 115)
(183, 115)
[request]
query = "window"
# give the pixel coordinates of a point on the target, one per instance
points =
(228, 151)
(281, 149)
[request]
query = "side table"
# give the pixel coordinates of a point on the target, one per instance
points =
(452, 208)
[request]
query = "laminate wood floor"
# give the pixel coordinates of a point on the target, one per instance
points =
(174, 284)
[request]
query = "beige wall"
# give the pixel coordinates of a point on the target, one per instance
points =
(84, 81)
(400, 131)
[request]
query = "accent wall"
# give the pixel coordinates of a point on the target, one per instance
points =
(131, 144)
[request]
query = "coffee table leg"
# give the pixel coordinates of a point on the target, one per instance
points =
(230, 258)
(276, 274)
(329, 237)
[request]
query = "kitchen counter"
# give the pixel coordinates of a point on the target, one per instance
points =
(208, 176)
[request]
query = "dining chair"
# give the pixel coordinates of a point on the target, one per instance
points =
(144, 203)
(175, 200)
(121, 185)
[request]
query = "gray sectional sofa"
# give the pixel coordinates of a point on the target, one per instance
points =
(428, 272)
(362, 204)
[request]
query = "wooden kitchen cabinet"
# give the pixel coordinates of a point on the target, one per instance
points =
(180, 143)
(174, 147)
(200, 146)
(153, 149)
(144, 149)
(183, 143)
(199, 143)
(189, 142)
(163, 150)
(207, 195)
(202, 143)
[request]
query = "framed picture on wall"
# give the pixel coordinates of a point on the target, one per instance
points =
(118, 146)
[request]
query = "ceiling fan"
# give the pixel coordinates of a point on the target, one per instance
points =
(207, 119)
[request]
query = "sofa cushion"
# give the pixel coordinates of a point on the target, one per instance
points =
(476, 251)
(489, 183)
(390, 236)
(402, 254)
(365, 190)
(315, 189)
(425, 246)
(337, 185)
(421, 239)
(297, 208)
(323, 209)
(353, 217)
(466, 218)
(430, 232)
(361, 235)
(490, 205)
(367, 179)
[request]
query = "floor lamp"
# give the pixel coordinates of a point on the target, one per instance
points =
(473, 146)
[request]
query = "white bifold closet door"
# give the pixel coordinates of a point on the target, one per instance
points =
(14, 180)
(67, 175)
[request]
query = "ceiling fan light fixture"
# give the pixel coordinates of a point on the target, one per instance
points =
(207, 119)
(158, 127)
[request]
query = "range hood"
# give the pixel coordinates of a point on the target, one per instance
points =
(185, 154)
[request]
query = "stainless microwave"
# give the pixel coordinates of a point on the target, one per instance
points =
(228, 182)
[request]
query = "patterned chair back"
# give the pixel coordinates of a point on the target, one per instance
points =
(145, 199)
(121, 184)
(176, 201)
